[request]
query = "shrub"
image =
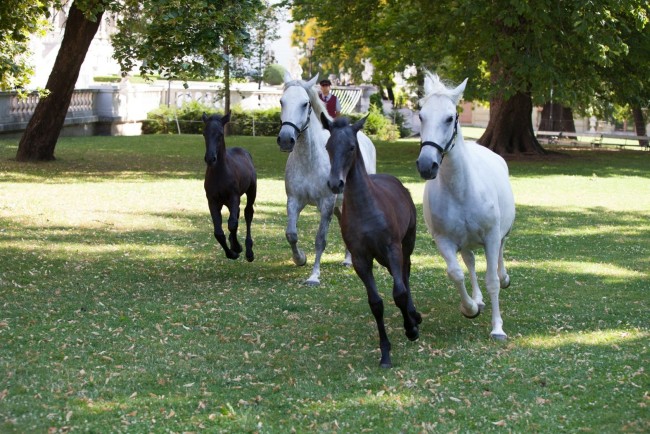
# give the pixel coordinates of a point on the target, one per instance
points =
(377, 125)
(243, 123)
(274, 75)
(164, 119)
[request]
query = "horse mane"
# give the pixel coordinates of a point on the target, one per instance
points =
(433, 85)
(317, 104)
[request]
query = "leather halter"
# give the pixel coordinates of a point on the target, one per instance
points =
(296, 127)
(450, 144)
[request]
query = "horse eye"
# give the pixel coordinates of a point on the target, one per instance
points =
(450, 119)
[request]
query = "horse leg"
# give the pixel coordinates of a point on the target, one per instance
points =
(468, 307)
(504, 278)
(215, 213)
(477, 295)
(248, 216)
(492, 247)
(233, 224)
(348, 256)
(326, 208)
(401, 294)
(406, 278)
(363, 268)
(294, 207)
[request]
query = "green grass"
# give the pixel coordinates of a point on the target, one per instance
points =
(120, 313)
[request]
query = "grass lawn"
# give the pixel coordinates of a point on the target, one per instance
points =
(120, 313)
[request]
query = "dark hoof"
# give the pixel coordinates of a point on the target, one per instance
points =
(232, 255)
(301, 260)
(500, 338)
(236, 248)
(413, 335)
(250, 257)
(385, 365)
(417, 317)
(505, 283)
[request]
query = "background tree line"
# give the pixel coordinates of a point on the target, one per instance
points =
(563, 55)
(575, 55)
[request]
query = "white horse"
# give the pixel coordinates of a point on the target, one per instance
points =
(468, 200)
(308, 165)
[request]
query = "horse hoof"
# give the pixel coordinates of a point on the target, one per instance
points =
(300, 260)
(251, 257)
(417, 317)
(312, 282)
(232, 255)
(499, 337)
(413, 335)
(505, 282)
(470, 315)
(385, 365)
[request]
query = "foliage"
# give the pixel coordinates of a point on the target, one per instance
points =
(503, 46)
(377, 125)
(19, 21)
(187, 119)
(121, 314)
(169, 120)
(274, 74)
(182, 40)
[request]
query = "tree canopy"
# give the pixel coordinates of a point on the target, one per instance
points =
(19, 20)
(503, 46)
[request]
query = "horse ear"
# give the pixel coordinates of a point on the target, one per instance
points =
(204, 117)
(359, 124)
(325, 121)
(458, 92)
(225, 119)
(313, 81)
(287, 76)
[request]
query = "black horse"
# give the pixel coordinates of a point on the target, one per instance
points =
(378, 222)
(230, 174)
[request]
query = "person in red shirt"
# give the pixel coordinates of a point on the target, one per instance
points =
(331, 101)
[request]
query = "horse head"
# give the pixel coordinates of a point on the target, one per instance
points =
(296, 108)
(342, 147)
(213, 133)
(439, 124)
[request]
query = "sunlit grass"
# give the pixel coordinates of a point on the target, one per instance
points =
(610, 338)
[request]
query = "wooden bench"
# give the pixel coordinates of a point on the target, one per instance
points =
(594, 139)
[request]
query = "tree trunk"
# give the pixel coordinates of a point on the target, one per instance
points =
(42, 132)
(556, 117)
(510, 129)
(639, 124)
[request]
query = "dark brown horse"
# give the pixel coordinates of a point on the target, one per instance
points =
(230, 174)
(377, 222)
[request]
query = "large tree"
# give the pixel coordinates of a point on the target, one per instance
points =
(515, 52)
(175, 38)
(42, 132)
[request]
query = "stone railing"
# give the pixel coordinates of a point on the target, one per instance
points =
(15, 111)
(120, 109)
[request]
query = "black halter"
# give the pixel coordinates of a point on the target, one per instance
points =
(450, 144)
(296, 127)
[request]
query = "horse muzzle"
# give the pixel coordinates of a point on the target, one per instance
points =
(427, 170)
(286, 140)
(336, 185)
(210, 160)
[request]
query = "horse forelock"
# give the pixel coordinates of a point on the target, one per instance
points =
(436, 87)
(317, 104)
